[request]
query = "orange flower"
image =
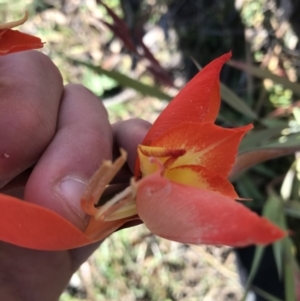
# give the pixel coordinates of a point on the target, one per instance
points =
(183, 194)
(15, 41)
(190, 199)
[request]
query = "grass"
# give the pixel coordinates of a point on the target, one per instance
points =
(133, 264)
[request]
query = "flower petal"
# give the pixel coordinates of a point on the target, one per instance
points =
(200, 177)
(191, 215)
(31, 226)
(14, 41)
(206, 144)
(198, 101)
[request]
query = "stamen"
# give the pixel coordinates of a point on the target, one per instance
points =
(101, 178)
(124, 212)
(120, 206)
(12, 24)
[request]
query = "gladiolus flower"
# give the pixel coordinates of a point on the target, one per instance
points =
(14, 41)
(181, 193)
(190, 199)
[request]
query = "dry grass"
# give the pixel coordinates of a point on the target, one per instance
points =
(134, 265)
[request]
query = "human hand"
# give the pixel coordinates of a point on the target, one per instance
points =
(65, 134)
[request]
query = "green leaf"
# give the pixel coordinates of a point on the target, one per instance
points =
(290, 268)
(260, 137)
(284, 146)
(289, 281)
(292, 140)
(248, 189)
(264, 73)
(265, 170)
(97, 83)
(273, 211)
(236, 102)
(126, 81)
(265, 295)
(284, 258)
(249, 158)
(278, 249)
(259, 250)
(273, 123)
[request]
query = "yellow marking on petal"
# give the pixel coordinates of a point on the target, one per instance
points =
(200, 177)
(188, 177)
(12, 24)
(206, 144)
(194, 156)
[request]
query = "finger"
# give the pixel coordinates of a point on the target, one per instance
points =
(128, 135)
(83, 140)
(30, 92)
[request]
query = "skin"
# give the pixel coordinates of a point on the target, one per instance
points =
(62, 132)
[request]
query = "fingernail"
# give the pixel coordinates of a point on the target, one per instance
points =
(72, 189)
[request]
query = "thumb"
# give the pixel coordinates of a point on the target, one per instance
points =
(82, 141)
